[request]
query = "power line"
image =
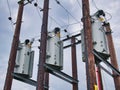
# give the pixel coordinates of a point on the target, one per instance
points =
(55, 20)
(9, 7)
(70, 34)
(79, 4)
(95, 5)
(40, 9)
(109, 15)
(93, 1)
(58, 2)
(70, 24)
(37, 9)
(10, 17)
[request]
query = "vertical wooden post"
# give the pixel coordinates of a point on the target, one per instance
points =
(43, 44)
(74, 63)
(15, 42)
(90, 61)
(46, 82)
(112, 56)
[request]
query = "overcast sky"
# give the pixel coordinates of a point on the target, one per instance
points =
(58, 17)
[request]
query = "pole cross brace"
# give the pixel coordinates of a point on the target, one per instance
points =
(60, 74)
(106, 62)
(26, 80)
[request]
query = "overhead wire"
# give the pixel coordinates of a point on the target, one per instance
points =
(95, 5)
(68, 21)
(109, 15)
(70, 24)
(9, 7)
(58, 2)
(68, 34)
(67, 25)
(71, 33)
(10, 14)
(38, 8)
(79, 4)
(55, 21)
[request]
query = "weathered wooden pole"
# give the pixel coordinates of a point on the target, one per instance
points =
(15, 42)
(90, 61)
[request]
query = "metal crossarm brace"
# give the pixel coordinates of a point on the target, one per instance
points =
(105, 70)
(60, 74)
(106, 62)
(23, 79)
(26, 80)
(72, 44)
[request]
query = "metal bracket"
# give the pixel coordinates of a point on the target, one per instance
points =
(72, 44)
(26, 80)
(60, 74)
(108, 32)
(28, 1)
(105, 70)
(106, 62)
(23, 79)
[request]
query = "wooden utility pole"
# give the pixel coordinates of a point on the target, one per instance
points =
(43, 44)
(90, 61)
(112, 56)
(46, 80)
(15, 42)
(74, 63)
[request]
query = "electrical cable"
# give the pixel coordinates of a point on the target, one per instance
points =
(93, 1)
(35, 37)
(9, 7)
(68, 21)
(58, 2)
(70, 24)
(50, 23)
(95, 5)
(55, 21)
(38, 7)
(10, 17)
(71, 33)
(109, 15)
(68, 12)
(79, 4)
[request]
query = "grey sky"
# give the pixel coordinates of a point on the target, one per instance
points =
(31, 27)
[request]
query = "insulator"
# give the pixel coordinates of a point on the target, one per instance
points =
(10, 18)
(35, 4)
(38, 47)
(65, 30)
(68, 36)
(27, 41)
(56, 30)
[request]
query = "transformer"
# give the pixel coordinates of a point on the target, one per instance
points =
(54, 57)
(24, 59)
(98, 36)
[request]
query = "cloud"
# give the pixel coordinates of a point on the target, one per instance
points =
(31, 27)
